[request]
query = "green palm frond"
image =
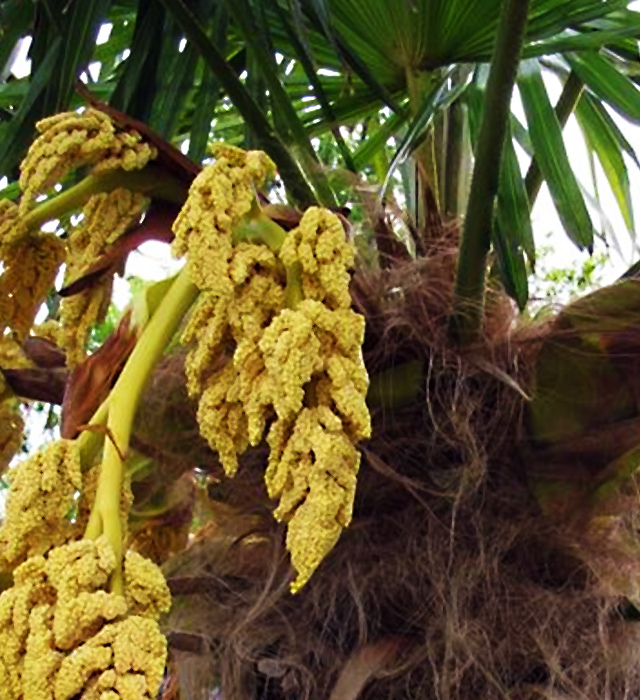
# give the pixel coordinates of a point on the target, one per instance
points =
(286, 75)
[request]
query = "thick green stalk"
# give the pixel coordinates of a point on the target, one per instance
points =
(466, 319)
(92, 437)
(122, 404)
(256, 227)
(151, 180)
(567, 102)
(454, 161)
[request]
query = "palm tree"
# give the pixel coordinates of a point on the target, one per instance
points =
(493, 550)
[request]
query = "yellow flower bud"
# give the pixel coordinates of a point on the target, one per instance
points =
(146, 589)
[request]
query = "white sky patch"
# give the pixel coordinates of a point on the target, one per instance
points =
(50, 226)
(21, 64)
(151, 262)
(42, 314)
(104, 33)
(182, 45)
(94, 70)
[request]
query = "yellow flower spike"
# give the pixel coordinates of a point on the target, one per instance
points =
(350, 401)
(11, 227)
(223, 424)
(70, 140)
(40, 659)
(145, 587)
(315, 479)
(219, 196)
(320, 246)
(16, 604)
(78, 315)
(314, 529)
(30, 269)
(41, 496)
(11, 429)
(105, 218)
(291, 354)
(208, 325)
(134, 649)
(313, 464)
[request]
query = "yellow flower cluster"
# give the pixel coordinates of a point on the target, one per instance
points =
(30, 268)
(104, 219)
(63, 636)
(313, 355)
(241, 290)
(302, 365)
(42, 494)
(232, 408)
(220, 195)
(11, 226)
(320, 247)
(30, 260)
(70, 140)
(11, 429)
(12, 356)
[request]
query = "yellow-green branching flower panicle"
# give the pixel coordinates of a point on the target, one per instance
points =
(276, 344)
(62, 635)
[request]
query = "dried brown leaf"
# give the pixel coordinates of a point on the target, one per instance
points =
(91, 381)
